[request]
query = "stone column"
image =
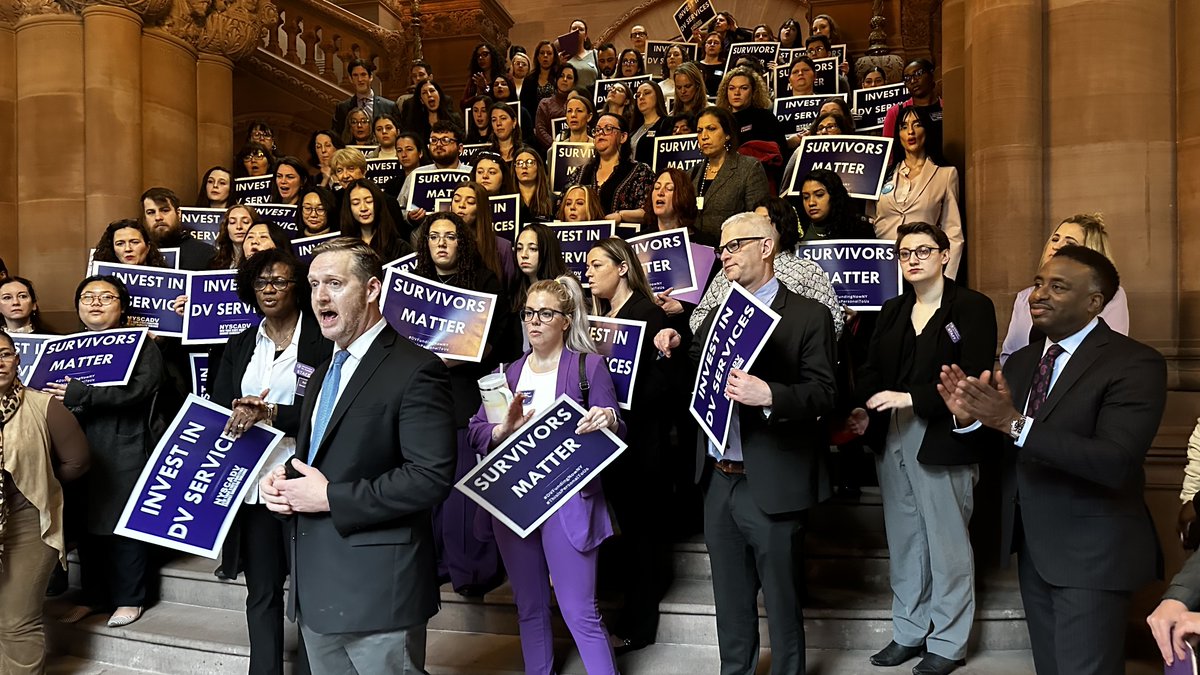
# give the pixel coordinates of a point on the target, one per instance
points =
(1110, 133)
(954, 82)
(8, 131)
(113, 99)
(49, 150)
(214, 112)
(1004, 182)
(168, 113)
(1187, 180)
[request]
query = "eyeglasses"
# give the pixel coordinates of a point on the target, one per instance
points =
(629, 62)
(313, 210)
(449, 237)
(443, 141)
(832, 126)
(360, 122)
(255, 154)
(734, 245)
(638, 33)
(104, 299)
(544, 315)
(921, 252)
(608, 129)
(278, 283)
(260, 134)
(523, 163)
(915, 75)
(7, 356)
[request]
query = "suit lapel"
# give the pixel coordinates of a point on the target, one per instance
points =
(1079, 363)
(722, 175)
(1020, 376)
(366, 368)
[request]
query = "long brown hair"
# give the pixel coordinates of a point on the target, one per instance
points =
(619, 252)
(485, 235)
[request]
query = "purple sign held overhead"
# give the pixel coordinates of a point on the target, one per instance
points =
(432, 185)
(199, 364)
(448, 321)
(304, 246)
(739, 331)
(576, 239)
(195, 480)
(693, 16)
(796, 113)
(252, 190)
(152, 295)
(538, 468)
(860, 161)
(98, 358)
(620, 342)
(28, 346)
(667, 258)
(204, 223)
(214, 313)
(864, 272)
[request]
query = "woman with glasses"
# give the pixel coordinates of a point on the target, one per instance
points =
(117, 421)
(216, 188)
(358, 129)
(827, 123)
(519, 67)
(290, 180)
(260, 132)
(259, 377)
(366, 215)
(554, 106)
(920, 186)
(926, 475)
(533, 184)
(631, 63)
(726, 182)
(621, 182)
(566, 546)
(487, 63)
(650, 120)
(712, 62)
(318, 212)
(253, 160)
(447, 252)
(321, 146)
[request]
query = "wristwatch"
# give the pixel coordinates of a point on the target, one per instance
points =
(1017, 426)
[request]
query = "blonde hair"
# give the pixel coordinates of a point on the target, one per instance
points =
(594, 210)
(569, 294)
(1095, 236)
(347, 158)
(759, 96)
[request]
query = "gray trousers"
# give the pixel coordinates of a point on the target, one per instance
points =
(926, 509)
(400, 652)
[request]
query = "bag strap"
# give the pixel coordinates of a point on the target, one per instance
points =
(584, 386)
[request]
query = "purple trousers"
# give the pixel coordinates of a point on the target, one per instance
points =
(531, 562)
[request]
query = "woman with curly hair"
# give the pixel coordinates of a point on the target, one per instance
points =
(826, 210)
(744, 93)
(321, 146)
(487, 63)
(127, 242)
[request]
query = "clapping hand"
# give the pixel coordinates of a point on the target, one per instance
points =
(514, 419)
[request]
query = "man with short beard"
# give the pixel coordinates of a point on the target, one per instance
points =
(445, 146)
(160, 213)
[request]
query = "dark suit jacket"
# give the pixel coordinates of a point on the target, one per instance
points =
(226, 385)
(389, 451)
(645, 147)
(784, 454)
(739, 185)
(1079, 476)
(972, 346)
(379, 107)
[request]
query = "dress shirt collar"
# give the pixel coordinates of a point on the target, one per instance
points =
(1072, 342)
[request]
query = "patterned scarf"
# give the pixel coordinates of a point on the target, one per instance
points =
(9, 404)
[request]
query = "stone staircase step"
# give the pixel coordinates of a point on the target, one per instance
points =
(71, 665)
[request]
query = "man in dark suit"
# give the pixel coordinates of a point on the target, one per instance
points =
(758, 488)
(375, 452)
(1073, 508)
(360, 72)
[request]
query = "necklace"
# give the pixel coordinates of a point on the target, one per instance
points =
(282, 343)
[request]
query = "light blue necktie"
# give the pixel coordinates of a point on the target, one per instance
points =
(329, 392)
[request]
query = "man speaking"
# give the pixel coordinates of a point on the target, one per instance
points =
(375, 453)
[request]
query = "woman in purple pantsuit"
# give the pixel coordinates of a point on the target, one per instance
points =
(566, 545)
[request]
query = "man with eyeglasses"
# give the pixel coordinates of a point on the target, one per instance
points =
(360, 72)
(918, 79)
(758, 488)
(445, 147)
(638, 37)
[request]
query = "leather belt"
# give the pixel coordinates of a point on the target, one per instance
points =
(730, 468)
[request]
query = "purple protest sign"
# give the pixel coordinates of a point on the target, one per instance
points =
(152, 294)
(98, 358)
(431, 185)
(195, 480)
(506, 215)
(214, 313)
(282, 215)
(448, 321)
(304, 246)
(872, 104)
(693, 16)
(860, 161)
(576, 239)
(620, 342)
(601, 88)
(252, 190)
(667, 258)
(739, 331)
(405, 263)
(199, 364)
(204, 223)
(539, 467)
(567, 161)
(703, 259)
(681, 152)
(864, 272)
(796, 113)
(28, 346)
(383, 170)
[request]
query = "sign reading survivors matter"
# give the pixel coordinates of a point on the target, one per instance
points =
(538, 468)
(195, 480)
(860, 161)
(864, 273)
(448, 321)
(667, 258)
(429, 186)
(740, 330)
(97, 358)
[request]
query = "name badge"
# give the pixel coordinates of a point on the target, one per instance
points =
(699, 203)
(303, 372)
(746, 128)
(651, 133)
(952, 331)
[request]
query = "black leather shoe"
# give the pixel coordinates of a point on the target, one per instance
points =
(894, 654)
(933, 664)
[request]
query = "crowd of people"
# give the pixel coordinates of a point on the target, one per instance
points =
(361, 515)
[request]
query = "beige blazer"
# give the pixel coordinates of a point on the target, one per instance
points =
(933, 200)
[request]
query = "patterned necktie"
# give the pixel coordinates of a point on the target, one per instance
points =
(365, 104)
(1041, 381)
(329, 392)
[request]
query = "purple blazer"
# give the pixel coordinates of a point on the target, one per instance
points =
(585, 515)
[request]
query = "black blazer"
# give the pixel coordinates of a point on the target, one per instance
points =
(650, 385)
(379, 106)
(368, 565)
(966, 313)
(784, 454)
(1079, 478)
(645, 146)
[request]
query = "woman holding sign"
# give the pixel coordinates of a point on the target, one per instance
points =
(318, 212)
(117, 421)
(566, 546)
(494, 251)
(262, 376)
(927, 478)
(253, 159)
(726, 182)
(129, 243)
(621, 182)
(447, 252)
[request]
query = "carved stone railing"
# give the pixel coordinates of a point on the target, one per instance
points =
(321, 38)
